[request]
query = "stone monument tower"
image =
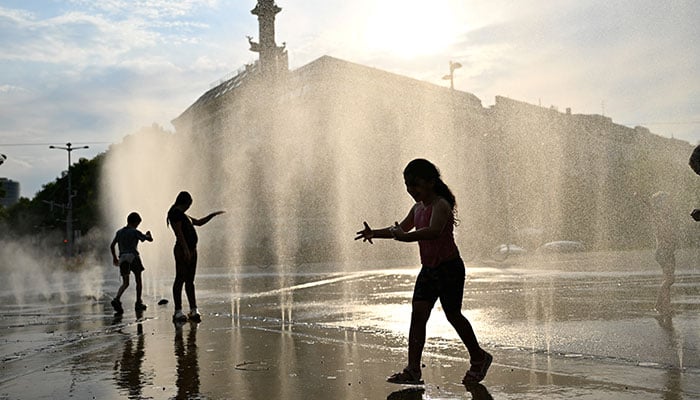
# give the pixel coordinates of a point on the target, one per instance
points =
(273, 59)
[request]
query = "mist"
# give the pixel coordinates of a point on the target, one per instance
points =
(35, 270)
(299, 164)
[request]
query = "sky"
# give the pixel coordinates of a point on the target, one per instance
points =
(91, 72)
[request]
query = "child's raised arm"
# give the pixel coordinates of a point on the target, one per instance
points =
(146, 237)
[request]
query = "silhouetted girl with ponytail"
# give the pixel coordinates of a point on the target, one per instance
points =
(442, 274)
(185, 252)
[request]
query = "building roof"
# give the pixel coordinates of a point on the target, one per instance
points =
(324, 68)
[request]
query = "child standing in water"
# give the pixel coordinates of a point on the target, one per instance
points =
(442, 273)
(129, 260)
(185, 252)
(665, 228)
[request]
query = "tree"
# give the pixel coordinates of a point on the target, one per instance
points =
(46, 211)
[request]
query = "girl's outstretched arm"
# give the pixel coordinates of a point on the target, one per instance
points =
(367, 234)
(200, 222)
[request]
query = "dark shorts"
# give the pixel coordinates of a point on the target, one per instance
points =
(135, 266)
(185, 269)
(444, 282)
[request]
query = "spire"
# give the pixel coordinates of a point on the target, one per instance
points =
(273, 58)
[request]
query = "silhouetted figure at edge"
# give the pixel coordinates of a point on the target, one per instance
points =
(185, 252)
(129, 260)
(694, 163)
(666, 243)
(442, 272)
(187, 380)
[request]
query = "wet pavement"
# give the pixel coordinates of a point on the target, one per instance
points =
(562, 326)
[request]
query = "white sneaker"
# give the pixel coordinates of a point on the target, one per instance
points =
(179, 316)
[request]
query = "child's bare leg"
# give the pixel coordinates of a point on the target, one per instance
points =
(189, 291)
(663, 300)
(466, 333)
(177, 292)
(139, 286)
(122, 288)
(416, 334)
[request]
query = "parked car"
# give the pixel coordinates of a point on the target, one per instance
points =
(503, 251)
(511, 249)
(562, 246)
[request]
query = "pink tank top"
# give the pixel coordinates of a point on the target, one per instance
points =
(436, 251)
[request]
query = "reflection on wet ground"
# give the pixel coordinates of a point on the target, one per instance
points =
(580, 325)
(128, 373)
(187, 370)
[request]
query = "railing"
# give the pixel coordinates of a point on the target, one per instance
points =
(233, 74)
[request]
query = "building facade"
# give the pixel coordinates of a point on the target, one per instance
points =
(11, 192)
(321, 148)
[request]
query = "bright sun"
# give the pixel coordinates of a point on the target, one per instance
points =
(411, 28)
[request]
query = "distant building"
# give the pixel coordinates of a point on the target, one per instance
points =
(11, 192)
(319, 148)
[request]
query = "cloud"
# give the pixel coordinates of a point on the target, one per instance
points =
(634, 61)
(86, 64)
(149, 9)
(11, 88)
(98, 33)
(95, 71)
(15, 14)
(74, 39)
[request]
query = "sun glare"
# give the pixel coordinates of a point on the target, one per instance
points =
(411, 28)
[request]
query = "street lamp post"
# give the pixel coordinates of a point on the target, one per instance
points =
(451, 76)
(69, 216)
